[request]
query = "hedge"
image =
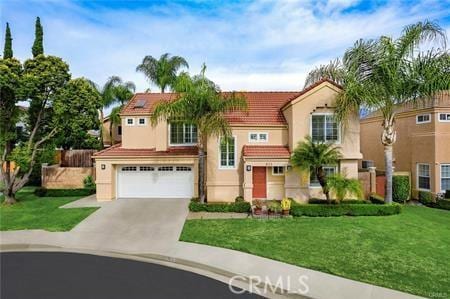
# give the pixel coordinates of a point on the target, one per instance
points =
(447, 194)
(426, 197)
(234, 207)
(443, 204)
(333, 201)
(43, 192)
(401, 188)
(314, 210)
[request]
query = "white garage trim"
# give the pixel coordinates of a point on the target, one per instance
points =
(155, 181)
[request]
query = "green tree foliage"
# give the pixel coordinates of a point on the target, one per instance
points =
(342, 186)
(201, 103)
(310, 155)
(401, 188)
(8, 51)
(38, 45)
(75, 113)
(163, 71)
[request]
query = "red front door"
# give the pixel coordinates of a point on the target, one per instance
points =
(259, 182)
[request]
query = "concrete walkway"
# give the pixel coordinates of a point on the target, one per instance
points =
(150, 228)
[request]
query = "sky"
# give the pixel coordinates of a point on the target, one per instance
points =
(247, 45)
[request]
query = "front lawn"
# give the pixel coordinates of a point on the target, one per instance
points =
(408, 252)
(32, 212)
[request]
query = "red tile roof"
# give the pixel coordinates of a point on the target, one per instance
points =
(149, 99)
(118, 151)
(275, 151)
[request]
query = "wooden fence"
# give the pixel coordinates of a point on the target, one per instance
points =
(76, 158)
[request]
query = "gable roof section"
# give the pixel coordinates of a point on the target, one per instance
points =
(118, 151)
(272, 151)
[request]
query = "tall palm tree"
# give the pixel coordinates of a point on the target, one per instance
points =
(310, 155)
(163, 71)
(383, 73)
(200, 102)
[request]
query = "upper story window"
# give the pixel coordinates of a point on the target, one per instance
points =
(329, 171)
(277, 170)
(423, 176)
(423, 118)
(182, 134)
(142, 121)
(444, 117)
(258, 137)
(227, 152)
(445, 177)
(324, 128)
(130, 121)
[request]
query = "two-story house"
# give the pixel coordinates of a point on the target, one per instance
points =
(423, 142)
(161, 161)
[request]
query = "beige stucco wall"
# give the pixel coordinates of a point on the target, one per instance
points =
(416, 143)
(144, 136)
(106, 178)
(56, 177)
(106, 137)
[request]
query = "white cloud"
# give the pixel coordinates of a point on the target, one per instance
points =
(263, 45)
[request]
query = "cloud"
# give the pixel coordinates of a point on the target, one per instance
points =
(258, 45)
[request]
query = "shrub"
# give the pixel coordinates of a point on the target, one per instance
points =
(235, 207)
(401, 188)
(341, 186)
(376, 198)
(443, 204)
(195, 199)
(425, 197)
(286, 204)
(345, 201)
(239, 199)
(447, 194)
(275, 206)
(88, 182)
(314, 210)
(43, 192)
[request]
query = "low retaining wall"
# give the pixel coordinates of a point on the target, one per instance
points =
(57, 177)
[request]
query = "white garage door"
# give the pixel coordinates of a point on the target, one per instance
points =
(144, 181)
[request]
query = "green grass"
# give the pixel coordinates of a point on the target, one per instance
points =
(408, 252)
(32, 212)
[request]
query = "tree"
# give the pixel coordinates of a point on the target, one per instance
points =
(40, 82)
(38, 45)
(383, 73)
(8, 51)
(163, 71)
(77, 103)
(123, 92)
(200, 102)
(310, 155)
(342, 186)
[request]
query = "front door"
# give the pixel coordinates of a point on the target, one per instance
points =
(259, 182)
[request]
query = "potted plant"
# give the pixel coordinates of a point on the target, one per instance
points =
(274, 208)
(258, 203)
(285, 206)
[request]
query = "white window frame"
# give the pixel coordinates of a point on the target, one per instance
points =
(446, 120)
(132, 121)
(441, 177)
(235, 155)
(338, 141)
(258, 137)
(180, 144)
(336, 170)
(278, 174)
(417, 176)
(139, 121)
(423, 122)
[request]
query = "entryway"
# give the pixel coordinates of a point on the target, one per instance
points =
(259, 182)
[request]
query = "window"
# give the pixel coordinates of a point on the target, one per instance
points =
(130, 121)
(146, 168)
(142, 121)
(445, 177)
(129, 168)
(423, 176)
(423, 118)
(324, 128)
(277, 170)
(444, 117)
(183, 168)
(258, 137)
(165, 168)
(227, 152)
(182, 134)
(119, 130)
(314, 182)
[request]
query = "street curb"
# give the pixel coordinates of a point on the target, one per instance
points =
(177, 263)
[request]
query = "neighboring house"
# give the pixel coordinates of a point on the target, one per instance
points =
(423, 142)
(161, 160)
(116, 133)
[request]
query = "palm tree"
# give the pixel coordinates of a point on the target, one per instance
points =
(340, 185)
(384, 73)
(310, 155)
(200, 102)
(163, 71)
